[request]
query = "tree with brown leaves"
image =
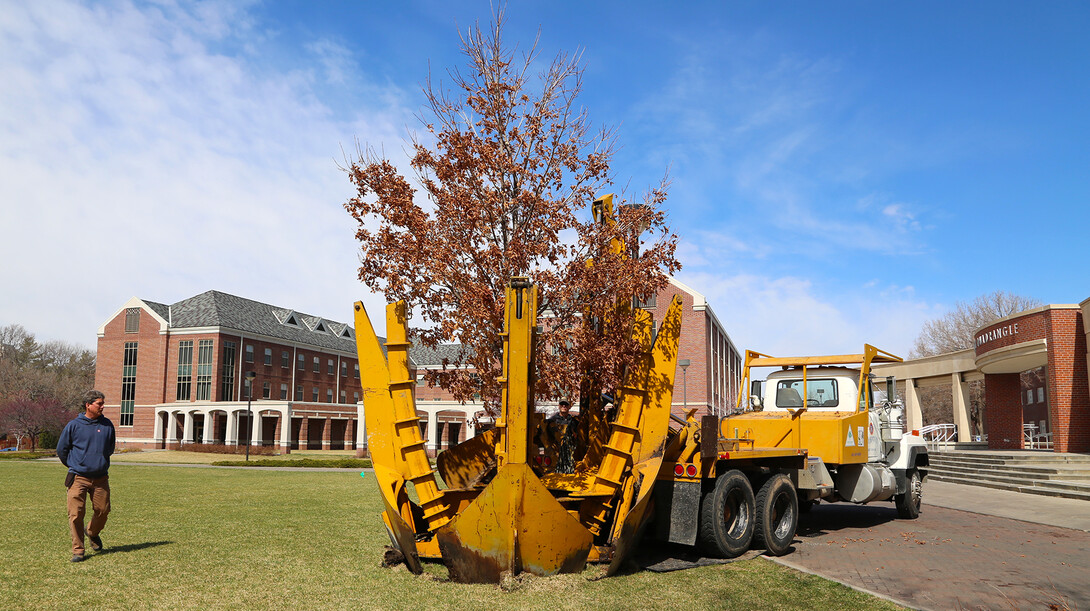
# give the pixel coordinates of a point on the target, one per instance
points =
(502, 187)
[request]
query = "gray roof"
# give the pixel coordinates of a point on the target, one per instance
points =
(216, 309)
(159, 308)
(423, 356)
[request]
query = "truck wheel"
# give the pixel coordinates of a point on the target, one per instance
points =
(777, 514)
(908, 504)
(726, 516)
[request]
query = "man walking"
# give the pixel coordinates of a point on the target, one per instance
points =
(85, 447)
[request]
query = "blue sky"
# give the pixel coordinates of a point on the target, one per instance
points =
(841, 171)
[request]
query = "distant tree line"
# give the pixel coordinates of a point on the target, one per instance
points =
(41, 385)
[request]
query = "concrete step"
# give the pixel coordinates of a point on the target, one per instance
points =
(1023, 456)
(1004, 468)
(1057, 492)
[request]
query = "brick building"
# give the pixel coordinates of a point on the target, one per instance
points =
(710, 381)
(175, 374)
(1036, 372)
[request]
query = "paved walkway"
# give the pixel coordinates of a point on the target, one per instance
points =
(971, 548)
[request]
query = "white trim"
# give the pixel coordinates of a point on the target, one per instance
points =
(263, 338)
(135, 302)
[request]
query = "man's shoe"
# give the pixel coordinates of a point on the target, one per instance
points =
(96, 542)
(77, 558)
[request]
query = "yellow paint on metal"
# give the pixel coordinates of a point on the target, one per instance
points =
(514, 525)
(394, 442)
(465, 464)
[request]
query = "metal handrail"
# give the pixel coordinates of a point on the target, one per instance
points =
(934, 434)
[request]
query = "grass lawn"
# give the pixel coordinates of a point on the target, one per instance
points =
(203, 458)
(182, 538)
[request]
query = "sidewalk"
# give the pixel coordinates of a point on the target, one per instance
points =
(1049, 510)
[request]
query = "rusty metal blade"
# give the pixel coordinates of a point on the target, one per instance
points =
(464, 464)
(633, 524)
(514, 525)
(401, 534)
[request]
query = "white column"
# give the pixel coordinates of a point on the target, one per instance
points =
(912, 406)
(172, 429)
(960, 391)
(471, 431)
(255, 429)
(159, 425)
(285, 428)
(232, 426)
(187, 428)
(361, 426)
(433, 433)
(209, 430)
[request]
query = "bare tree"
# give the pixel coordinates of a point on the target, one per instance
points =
(506, 182)
(29, 419)
(52, 370)
(955, 330)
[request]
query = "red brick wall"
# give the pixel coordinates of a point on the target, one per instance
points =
(1068, 395)
(1002, 395)
(150, 357)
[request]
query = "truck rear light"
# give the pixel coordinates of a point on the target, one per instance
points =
(679, 469)
(690, 470)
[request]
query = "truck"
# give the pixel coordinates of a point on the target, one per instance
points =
(496, 504)
(818, 429)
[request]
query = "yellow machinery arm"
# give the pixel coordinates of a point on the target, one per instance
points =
(516, 521)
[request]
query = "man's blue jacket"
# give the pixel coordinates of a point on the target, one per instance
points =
(85, 446)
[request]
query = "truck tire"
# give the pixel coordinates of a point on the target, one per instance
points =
(727, 516)
(777, 514)
(908, 504)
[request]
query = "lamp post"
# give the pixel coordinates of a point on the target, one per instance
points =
(684, 364)
(250, 375)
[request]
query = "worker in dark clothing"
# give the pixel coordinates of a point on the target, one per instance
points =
(85, 447)
(562, 427)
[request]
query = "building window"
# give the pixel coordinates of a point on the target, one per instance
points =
(249, 353)
(185, 369)
(357, 366)
(301, 362)
(344, 396)
(317, 365)
(648, 304)
(266, 390)
(128, 385)
(285, 359)
(227, 377)
(329, 395)
(1029, 396)
(204, 370)
(132, 320)
(283, 392)
(344, 369)
(314, 394)
(268, 356)
(299, 392)
(356, 397)
(1041, 394)
(332, 369)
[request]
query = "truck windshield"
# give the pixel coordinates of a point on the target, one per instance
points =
(820, 392)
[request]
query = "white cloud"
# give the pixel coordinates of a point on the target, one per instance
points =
(788, 316)
(139, 157)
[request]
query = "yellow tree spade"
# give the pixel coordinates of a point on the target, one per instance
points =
(505, 184)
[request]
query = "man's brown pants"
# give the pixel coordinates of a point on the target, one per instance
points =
(99, 489)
